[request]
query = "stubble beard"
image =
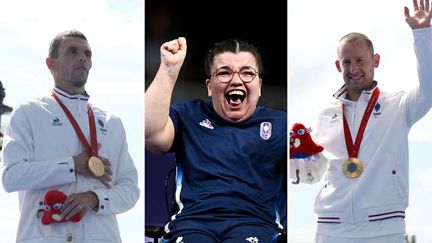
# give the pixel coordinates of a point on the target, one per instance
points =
(79, 81)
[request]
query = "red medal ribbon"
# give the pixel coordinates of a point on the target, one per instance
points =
(353, 150)
(92, 150)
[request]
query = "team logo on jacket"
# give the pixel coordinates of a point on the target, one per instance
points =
(377, 110)
(56, 122)
(101, 126)
(265, 130)
(206, 123)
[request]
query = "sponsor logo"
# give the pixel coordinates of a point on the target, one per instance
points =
(252, 239)
(206, 123)
(56, 122)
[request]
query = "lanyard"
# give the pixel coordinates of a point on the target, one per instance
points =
(92, 149)
(353, 149)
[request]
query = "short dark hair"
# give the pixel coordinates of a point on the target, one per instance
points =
(55, 43)
(353, 36)
(234, 46)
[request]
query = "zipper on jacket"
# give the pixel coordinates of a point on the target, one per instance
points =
(79, 106)
(353, 121)
(352, 206)
(69, 238)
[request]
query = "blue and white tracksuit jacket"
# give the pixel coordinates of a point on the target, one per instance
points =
(349, 207)
(37, 156)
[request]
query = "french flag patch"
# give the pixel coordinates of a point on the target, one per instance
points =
(265, 130)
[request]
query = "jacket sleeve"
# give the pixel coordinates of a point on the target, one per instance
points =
(18, 168)
(125, 192)
(419, 100)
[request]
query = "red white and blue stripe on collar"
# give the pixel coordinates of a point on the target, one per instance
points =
(344, 89)
(82, 96)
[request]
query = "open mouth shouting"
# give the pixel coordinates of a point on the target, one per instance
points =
(235, 98)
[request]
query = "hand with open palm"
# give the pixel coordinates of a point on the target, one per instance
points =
(421, 17)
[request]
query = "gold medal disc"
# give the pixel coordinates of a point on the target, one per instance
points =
(352, 168)
(96, 166)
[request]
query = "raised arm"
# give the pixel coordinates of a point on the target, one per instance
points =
(421, 17)
(159, 129)
(419, 99)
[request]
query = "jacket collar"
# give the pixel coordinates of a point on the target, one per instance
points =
(365, 95)
(64, 96)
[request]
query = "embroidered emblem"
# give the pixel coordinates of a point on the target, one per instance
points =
(101, 123)
(179, 239)
(206, 123)
(253, 239)
(101, 126)
(56, 122)
(265, 130)
(377, 109)
(377, 106)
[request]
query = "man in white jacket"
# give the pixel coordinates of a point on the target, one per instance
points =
(62, 142)
(364, 133)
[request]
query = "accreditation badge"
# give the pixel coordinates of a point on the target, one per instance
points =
(352, 168)
(96, 166)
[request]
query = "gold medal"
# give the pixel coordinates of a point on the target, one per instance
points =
(96, 166)
(352, 168)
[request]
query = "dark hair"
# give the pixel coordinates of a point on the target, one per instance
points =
(55, 43)
(234, 46)
(353, 36)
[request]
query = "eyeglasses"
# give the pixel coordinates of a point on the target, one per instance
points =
(224, 75)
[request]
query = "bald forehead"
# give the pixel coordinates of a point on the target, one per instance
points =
(358, 39)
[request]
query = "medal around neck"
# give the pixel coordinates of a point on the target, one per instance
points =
(96, 166)
(352, 168)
